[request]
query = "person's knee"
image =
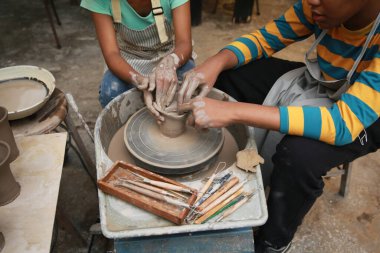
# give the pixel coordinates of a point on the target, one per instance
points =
(288, 157)
(106, 93)
(295, 162)
(110, 87)
(189, 65)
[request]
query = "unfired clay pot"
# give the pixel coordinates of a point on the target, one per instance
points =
(2, 241)
(174, 125)
(6, 134)
(9, 188)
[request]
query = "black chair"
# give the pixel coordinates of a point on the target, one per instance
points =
(344, 171)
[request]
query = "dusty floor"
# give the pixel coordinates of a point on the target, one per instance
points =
(335, 224)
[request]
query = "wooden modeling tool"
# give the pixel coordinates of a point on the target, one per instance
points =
(218, 206)
(209, 181)
(235, 207)
(151, 194)
(163, 185)
(232, 203)
(149, 187)
(218, 193)
(223, 197)
(216, 184)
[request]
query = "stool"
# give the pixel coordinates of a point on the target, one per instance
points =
(47, 4)
(344, 171)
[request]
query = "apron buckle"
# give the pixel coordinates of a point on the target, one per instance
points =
(157, 11)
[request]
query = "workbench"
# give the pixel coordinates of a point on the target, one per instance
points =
(27, 223)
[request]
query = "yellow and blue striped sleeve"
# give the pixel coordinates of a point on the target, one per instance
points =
(295, 25)
(341, 124)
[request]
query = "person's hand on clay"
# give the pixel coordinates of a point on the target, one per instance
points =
(148, 99)
(142, 83)
(208, 113)
(200, 79)
(164, 80)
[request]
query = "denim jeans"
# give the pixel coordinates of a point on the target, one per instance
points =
(112, 86)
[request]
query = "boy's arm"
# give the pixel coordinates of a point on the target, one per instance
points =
(296, 24)
(357, 109)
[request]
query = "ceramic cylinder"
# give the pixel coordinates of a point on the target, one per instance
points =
(9, 188)
(2, 241)
(6, 134)
(174, 125)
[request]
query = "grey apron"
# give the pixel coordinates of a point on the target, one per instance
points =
(142, 49)
(303, 87)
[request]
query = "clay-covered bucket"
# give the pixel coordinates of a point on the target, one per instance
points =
(118, 111)
(6, 134)
(9, 188)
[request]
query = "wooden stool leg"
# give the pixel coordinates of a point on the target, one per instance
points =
(257, 7)
(46, 3)
(55, 12)
(79, 143)
(345, 179)
(215, 6)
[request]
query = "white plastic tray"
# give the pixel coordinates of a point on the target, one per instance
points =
(122, 220)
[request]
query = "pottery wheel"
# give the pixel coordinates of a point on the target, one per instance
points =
(186, 153)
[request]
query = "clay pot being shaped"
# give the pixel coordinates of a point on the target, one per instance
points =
(174, 125)
(9, 188)
(2, 241)
(6, 134)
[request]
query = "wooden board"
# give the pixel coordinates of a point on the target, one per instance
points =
(161, 208)
(27, 223)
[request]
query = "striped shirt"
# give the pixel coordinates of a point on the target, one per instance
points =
(357, 109)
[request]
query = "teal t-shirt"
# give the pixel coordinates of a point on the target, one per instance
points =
(129, 17)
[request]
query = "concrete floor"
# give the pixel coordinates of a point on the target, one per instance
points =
(335, 224)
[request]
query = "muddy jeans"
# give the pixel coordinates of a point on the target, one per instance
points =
(299, 163)
(112, 86)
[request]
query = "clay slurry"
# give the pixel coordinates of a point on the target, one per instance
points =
(19, 94)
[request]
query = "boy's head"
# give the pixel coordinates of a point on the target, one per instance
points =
(332, 13)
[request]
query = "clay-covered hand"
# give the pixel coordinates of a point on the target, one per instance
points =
(164, 79)
(200, 79)
(148, 99)
(208, 113)
(141, 82)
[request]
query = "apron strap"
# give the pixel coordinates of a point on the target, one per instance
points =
(368, 40)
(116, 11)
(315, 43)
(364, 48)
(158, 14)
